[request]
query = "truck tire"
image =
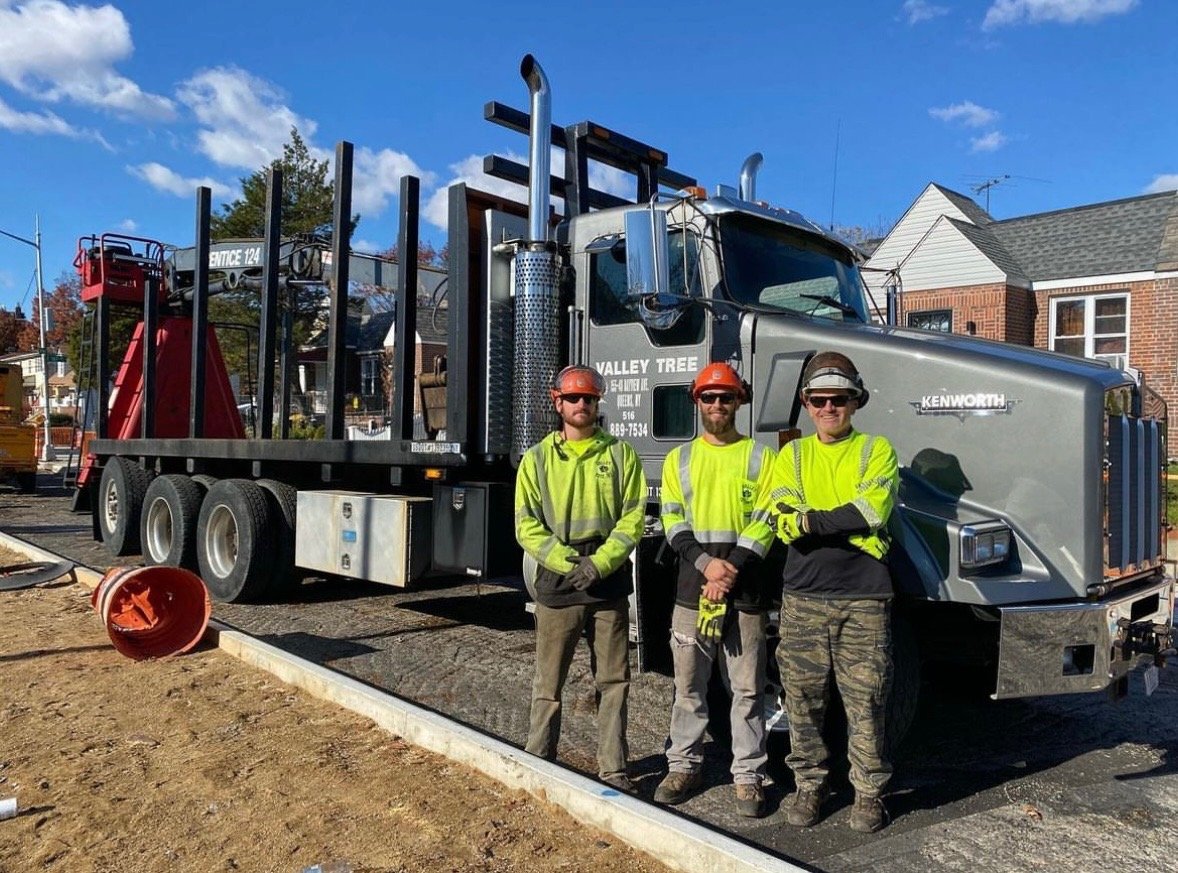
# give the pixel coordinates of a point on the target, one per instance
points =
(205, 482)
(171, 508)
(234, 536)
(27, 482)
(904, 698)
(120, 504)
(283, 506)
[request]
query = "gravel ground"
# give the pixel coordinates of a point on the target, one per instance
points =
(1011, 785)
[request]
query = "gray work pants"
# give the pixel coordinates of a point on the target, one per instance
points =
(742, 659)
(607, 628)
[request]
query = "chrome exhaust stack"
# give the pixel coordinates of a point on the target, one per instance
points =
(748, 177)
(537, 293)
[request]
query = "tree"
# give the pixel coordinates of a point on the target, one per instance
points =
(307, 198)
(11, 331)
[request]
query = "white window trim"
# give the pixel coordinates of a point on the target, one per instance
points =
(1090, 321)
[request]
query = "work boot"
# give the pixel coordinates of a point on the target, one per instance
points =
(621, 782)
(805, 807)
(868, 815)
(677, 787)
(750, 799)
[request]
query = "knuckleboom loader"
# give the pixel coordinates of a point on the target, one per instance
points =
(1029, 527)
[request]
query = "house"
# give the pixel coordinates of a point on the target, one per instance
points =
(1098, 281)
(370, 340)
(63, 392)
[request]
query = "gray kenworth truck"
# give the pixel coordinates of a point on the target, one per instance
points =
(1028, 536)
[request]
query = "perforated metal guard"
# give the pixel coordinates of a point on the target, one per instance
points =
(537, 342)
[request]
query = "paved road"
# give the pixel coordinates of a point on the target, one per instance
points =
(1077, 782)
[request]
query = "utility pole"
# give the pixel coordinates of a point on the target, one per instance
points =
(47, 444)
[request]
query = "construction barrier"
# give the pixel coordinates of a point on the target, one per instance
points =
(151, 612)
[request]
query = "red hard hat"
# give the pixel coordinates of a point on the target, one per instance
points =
(718, 377)
(578, 379)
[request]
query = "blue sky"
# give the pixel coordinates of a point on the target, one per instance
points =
(110, 115)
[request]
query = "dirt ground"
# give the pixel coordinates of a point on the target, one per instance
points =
(201, 763)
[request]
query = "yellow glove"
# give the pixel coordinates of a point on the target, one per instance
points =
(709, 625)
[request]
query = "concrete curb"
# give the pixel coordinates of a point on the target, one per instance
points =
(674, 841)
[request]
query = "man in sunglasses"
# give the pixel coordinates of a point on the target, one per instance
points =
(580, 505)
(829, 498)
(709, 489)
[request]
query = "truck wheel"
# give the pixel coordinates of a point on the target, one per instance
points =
(904, 697)
(27, 482)
(283, 506)
(120, 503)
(232, 535)
(171, 507)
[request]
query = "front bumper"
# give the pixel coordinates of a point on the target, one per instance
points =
(1079, 647)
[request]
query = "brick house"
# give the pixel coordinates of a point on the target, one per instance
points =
(1099, 281)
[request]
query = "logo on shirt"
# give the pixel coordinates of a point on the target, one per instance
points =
(746, 493)
(604, 470)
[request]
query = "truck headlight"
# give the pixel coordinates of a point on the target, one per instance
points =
(983, 545)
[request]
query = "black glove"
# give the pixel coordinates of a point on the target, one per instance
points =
(584, 574)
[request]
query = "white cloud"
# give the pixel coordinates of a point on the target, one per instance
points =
(35, 122)
(245, 120)
(470, 171)
(917, 11)
(1163, 182)
(55, 52)
(967, 112)
(169, 181)
(128, 225)
(1006, 12)
(376, 178)
(989, 142)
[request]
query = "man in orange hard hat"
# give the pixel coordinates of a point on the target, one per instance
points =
(580, 506)
(709, 488)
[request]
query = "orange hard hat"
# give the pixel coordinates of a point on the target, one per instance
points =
(578, 379)
(719, 377)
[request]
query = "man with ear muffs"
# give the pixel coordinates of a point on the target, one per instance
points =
(580, 506)
(709, 489)
(829, 498)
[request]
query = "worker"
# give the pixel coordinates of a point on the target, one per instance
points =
(709, 489)
(580, 503)
(829, 498)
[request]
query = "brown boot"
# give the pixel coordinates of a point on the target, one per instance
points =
(750, 799)
(677, 787)
(869, 815)
(805, 807)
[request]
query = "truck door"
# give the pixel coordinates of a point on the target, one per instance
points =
(647, 369)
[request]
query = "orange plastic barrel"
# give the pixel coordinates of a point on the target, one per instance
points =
(151, 612)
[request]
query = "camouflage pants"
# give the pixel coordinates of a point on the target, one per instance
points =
(848, 641)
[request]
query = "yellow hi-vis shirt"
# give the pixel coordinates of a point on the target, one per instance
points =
(708, 497)
(570, 492)
(846, 490)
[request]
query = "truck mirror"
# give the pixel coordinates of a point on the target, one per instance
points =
(647, 253)
(648, 272)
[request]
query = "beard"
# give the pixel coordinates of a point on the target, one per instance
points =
(718, 426)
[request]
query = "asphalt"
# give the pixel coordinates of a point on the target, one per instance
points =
(980, 785)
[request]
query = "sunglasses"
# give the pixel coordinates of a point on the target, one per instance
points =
(838, 401)
(708, 398)
(588, 399)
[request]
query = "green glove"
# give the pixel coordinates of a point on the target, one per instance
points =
(584, 574)
(789, 522)
(710, 623)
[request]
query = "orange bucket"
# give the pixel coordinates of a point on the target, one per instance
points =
(151, 612)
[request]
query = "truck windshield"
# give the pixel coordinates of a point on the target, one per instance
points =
(767, 264)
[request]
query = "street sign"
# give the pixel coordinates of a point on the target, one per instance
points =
(55, 359)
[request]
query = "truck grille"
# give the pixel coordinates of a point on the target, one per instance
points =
(1135, 460)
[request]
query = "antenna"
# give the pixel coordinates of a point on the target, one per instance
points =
(987, 185)
(834, 181)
